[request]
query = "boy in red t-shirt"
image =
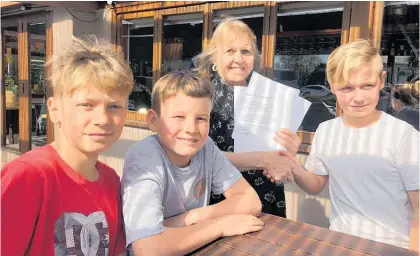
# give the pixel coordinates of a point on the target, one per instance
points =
(59, 199)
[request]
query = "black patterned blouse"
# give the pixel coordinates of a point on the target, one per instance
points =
(221, 128)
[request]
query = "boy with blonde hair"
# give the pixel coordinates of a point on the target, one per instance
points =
(369, 158)
(59, 199)
(168, 177)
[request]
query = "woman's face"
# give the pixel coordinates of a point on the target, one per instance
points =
(235, 60)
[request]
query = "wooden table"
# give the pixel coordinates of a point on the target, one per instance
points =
(286, 237)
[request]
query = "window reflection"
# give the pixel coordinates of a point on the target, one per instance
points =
(140, 57)
(37, 48)
(400, 56)
(303, 44)
(182, 40)
(12, 86)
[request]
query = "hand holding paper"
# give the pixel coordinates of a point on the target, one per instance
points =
(261, 109)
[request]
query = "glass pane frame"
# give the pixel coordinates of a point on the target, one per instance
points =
(25, 118)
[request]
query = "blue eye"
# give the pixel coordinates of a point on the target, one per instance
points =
(115, 107)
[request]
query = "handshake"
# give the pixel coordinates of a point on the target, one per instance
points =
(279, 166)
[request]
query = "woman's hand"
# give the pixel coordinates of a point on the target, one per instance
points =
(289, 140)
(277, 168)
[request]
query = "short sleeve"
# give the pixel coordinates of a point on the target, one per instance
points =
(142, 196)
(408, 159)
(314, 162)
(224, 174)
(22, 194)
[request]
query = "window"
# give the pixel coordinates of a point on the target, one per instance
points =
(27, 44)
(399, 50)
(182, 40)
(38, 90)
(140, 58)
(12, 87)
(306, 35)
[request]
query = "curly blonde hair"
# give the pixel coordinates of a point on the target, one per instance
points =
(228, 28)
(92, 62)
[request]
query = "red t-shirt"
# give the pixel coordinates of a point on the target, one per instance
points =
(49, 209)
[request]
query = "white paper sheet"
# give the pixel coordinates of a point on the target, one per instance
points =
(261, 109)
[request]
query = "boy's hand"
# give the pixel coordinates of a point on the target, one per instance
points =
(232, 225)
(277, 168)
(288, 139)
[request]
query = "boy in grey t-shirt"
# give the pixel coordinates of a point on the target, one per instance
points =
(168, 177)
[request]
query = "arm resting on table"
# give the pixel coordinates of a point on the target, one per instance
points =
(241, 198)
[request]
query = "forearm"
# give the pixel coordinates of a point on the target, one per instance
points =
(178, 241)
(414, 232)
(237, 204)
(246, 161)
(308, 181)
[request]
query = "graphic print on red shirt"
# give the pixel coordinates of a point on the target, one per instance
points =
(49, 209)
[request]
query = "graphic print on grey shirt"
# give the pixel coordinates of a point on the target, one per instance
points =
(154, 189)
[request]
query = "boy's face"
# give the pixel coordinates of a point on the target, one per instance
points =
(90, 120)
(360, 96)
(182, 126)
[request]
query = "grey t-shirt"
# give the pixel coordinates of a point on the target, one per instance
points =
(154, 189)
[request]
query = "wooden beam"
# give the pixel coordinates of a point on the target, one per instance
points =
(2, 94)
(345, 38)
(150, 6)
(157, 46)
(271, 39)
(207, 25)
(378, 14)
(48, 70)
(80, 5)
(25, 105)
(235, 4)
(264, 43)
(359, 20)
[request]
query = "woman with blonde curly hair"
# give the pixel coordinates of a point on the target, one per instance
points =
(228, 61)
(405, 102)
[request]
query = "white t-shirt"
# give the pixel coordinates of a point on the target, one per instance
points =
(370, 171)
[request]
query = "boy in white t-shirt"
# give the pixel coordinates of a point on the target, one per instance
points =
(370, 158)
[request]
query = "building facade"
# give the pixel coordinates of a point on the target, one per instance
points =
(294, 39)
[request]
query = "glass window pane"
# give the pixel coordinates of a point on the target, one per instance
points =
(182, 40)
(304, 41)
(140, 57)
(12, 86)
(37, 47)
(400, 55)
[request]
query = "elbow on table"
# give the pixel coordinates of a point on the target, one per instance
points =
(255, 206)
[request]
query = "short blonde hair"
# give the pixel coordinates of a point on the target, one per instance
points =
(348, 57)
(90, 62)
(407, 93)
(188, 82)
(229, 28)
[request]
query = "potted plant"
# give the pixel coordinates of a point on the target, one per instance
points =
(12, 90)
